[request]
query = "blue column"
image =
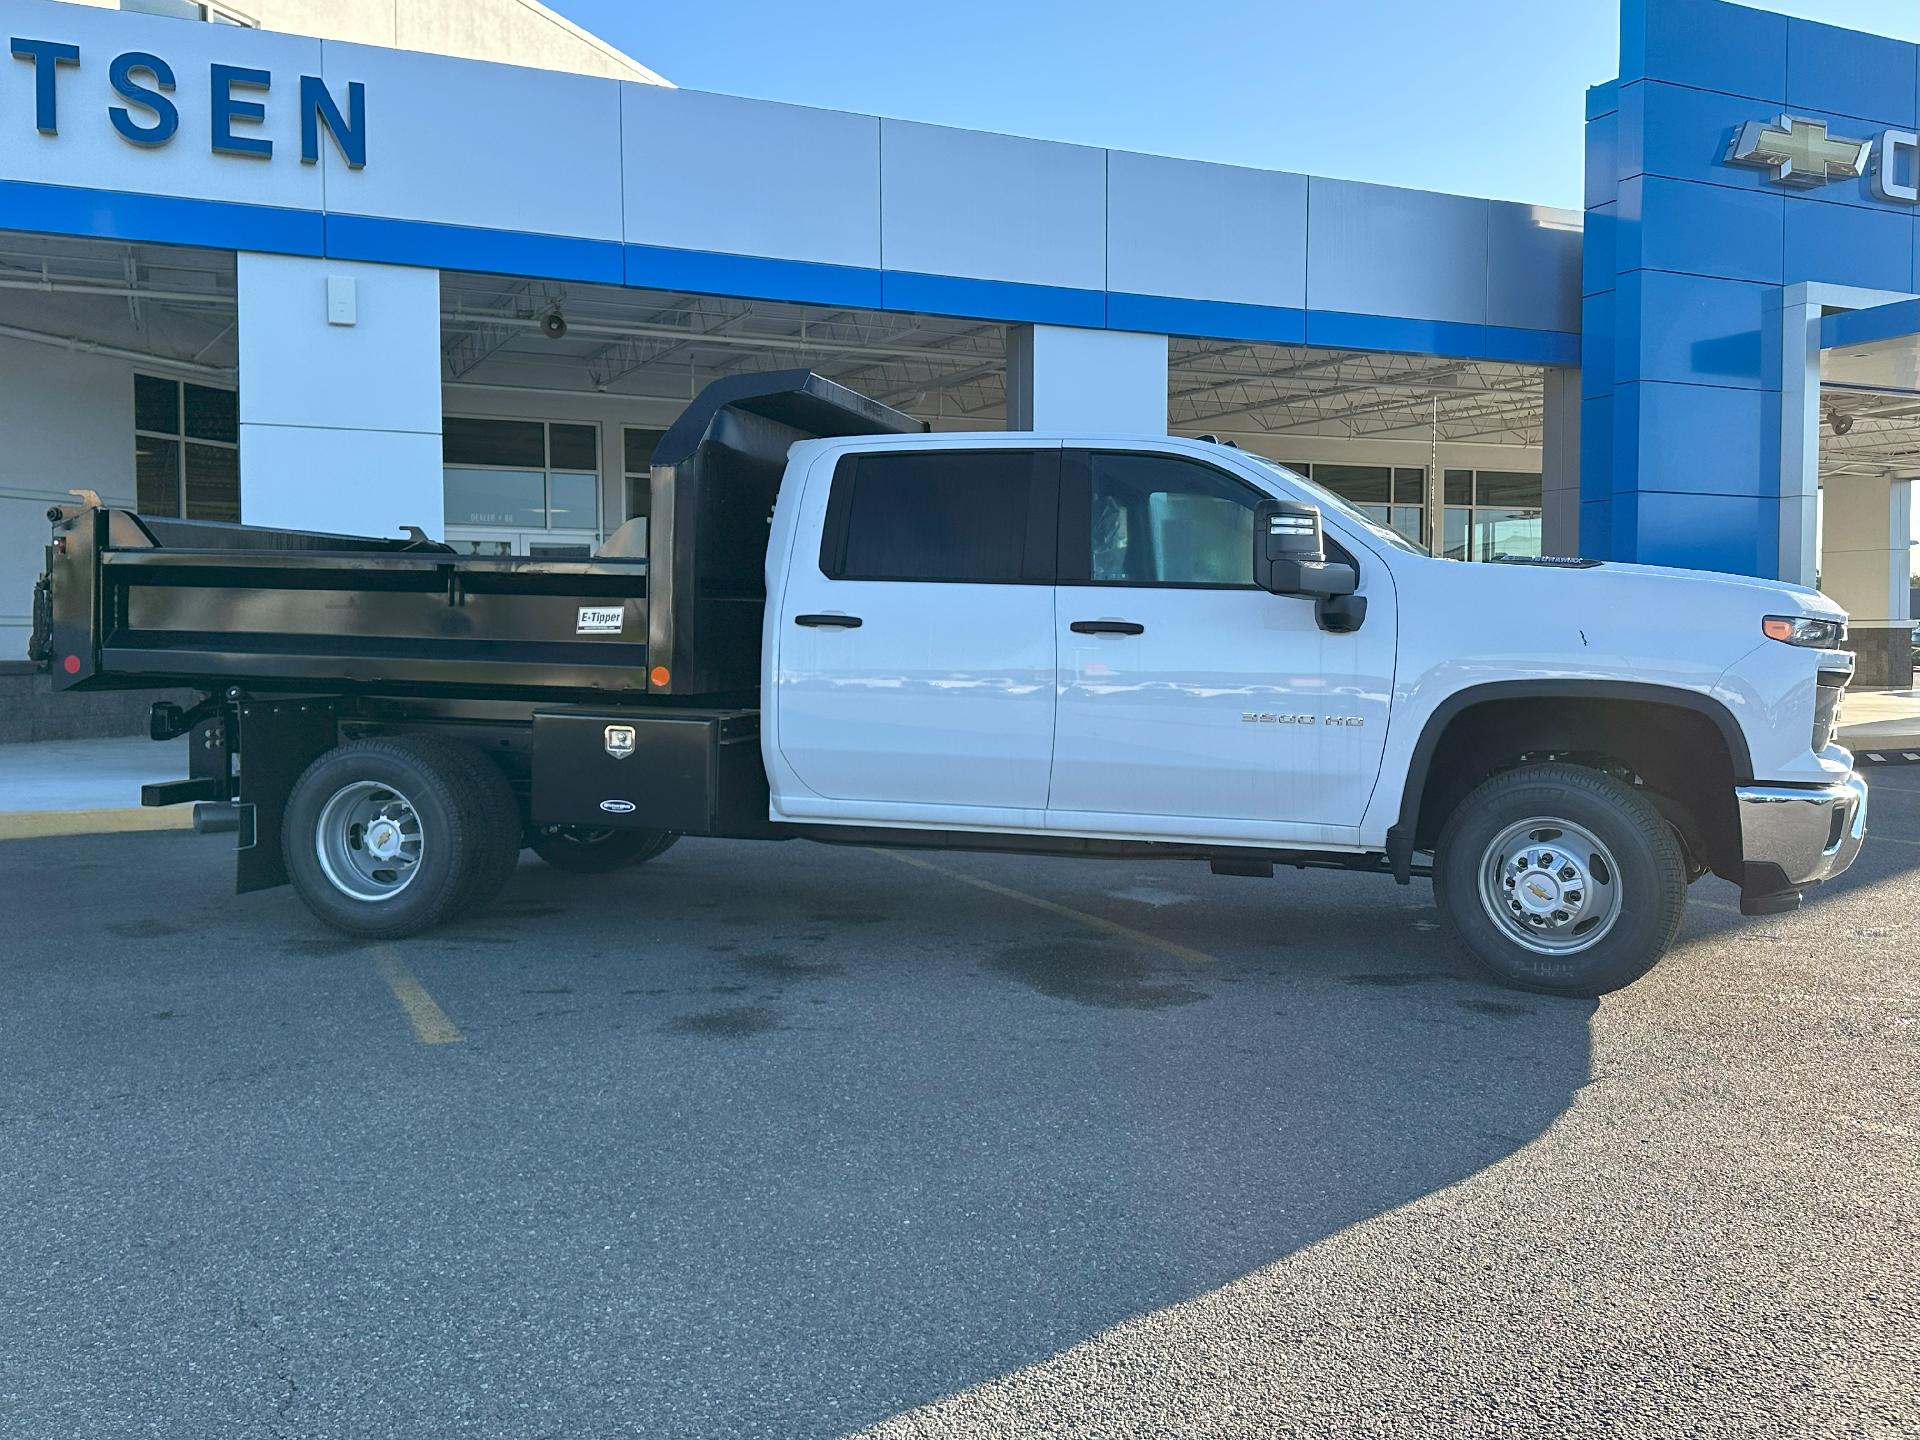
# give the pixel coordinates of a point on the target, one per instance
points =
(1686, 256)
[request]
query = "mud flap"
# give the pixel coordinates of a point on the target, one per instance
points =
(278, 740)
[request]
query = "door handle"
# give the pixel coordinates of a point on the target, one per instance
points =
(1107, 627)
(829, 622)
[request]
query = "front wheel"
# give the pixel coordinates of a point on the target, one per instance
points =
(583, 850)
(1561, 879)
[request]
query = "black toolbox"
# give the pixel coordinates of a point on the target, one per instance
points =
(694, 772)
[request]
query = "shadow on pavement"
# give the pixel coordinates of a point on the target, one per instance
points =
(762, 1183)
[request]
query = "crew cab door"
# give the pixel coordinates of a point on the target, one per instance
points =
(911, 650)
(1192, 702)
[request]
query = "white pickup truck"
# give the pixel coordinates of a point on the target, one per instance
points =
(1056, 644)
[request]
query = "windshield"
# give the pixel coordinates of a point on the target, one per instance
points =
(1327, 500)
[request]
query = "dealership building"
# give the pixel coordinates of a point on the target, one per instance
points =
(356, 266)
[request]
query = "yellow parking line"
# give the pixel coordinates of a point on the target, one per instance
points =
(46, 824)
(1093, 922)
(430, 1023)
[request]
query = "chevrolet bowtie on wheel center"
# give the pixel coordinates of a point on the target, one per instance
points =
(852, 631)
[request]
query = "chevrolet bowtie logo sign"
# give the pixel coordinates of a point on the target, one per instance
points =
(1799, 152)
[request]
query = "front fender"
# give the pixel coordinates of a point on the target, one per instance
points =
(1401, 822)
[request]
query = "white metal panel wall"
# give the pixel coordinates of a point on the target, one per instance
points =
(460, 142)
(1560, 461)
(89, 152)
(339, 425)
(380, 373)
(751, 177)
(1206, 232)
(992, 207)
(1100, 381)
(1377, 250)
(344, 482)
(1533, 266)
(68, 422)
(1868, 535)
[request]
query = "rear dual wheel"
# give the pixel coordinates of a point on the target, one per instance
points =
(585, 851)
(390, 836)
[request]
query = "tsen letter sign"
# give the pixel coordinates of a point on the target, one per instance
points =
(149, 115)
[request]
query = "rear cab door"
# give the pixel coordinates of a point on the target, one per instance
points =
(909, 636)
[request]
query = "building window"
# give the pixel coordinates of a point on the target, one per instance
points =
(1391, 495)
(186, 449)
(188, 10)
(531, 487)
(638, 446)
(1489, 513)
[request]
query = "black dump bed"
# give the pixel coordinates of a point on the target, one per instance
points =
(138, 601)
(715, 475)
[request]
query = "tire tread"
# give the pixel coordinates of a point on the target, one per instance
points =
(439, 777)
(496, 843)
(1618, 959)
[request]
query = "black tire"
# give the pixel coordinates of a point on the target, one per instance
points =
(1490, 835)
(436, 790)
(497, 843)
(580, 850)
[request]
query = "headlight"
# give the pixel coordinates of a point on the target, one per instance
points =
(1799, 630)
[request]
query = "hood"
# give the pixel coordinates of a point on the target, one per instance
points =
(1776, 597)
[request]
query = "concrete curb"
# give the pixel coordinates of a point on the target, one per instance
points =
(1871, 755)
(47, 824)
(1881, 740)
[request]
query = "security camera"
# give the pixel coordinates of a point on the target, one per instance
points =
(1841, 423)
(554, 325)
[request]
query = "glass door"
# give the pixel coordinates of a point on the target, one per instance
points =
(550, 544)
(522, 487)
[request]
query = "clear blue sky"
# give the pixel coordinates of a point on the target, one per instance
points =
(1363, 89)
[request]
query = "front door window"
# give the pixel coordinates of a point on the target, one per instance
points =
(1158, 520)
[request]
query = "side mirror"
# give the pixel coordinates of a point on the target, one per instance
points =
(1289, 555)
(1290, 558)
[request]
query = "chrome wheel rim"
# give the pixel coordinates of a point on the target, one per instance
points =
(369, 841)
(1550, 886)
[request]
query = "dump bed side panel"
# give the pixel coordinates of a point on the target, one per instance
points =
(398, 619)
(138, 601)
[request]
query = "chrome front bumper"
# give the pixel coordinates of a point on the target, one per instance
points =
(1792, 836)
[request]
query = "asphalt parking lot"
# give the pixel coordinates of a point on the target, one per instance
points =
(790, 1141)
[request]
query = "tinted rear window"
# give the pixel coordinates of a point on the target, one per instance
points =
(980, 516)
